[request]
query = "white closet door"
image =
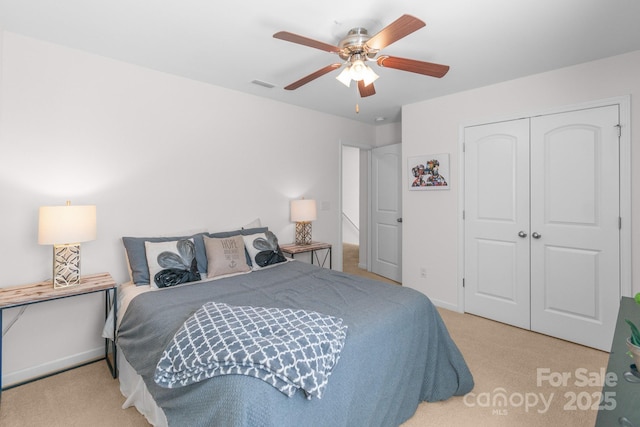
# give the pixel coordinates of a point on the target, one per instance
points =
(575, 277)
(497, 221)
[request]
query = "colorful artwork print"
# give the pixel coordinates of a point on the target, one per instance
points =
(429, 172)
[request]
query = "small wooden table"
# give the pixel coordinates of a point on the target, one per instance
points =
(17, 296)
(293, 249)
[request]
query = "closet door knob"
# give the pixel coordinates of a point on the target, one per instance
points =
(536, 235)
(522, 234)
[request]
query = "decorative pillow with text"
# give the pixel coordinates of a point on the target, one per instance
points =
(225, 256)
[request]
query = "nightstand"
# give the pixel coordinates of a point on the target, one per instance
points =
(293, 249)
(17, 296)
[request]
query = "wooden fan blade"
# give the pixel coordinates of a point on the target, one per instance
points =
(366, 90)
(321, 72)
(393, 32)
(411, 65)
(305, 41)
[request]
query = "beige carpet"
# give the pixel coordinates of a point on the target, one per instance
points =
(350, 260)
(503, 359)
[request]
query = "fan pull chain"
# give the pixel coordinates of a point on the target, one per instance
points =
(357, 109)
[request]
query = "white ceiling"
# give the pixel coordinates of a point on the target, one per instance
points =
(230, 44)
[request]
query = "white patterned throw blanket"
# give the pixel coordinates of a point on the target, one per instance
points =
(289, 349)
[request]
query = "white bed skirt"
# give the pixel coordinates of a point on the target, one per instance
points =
(132, 386)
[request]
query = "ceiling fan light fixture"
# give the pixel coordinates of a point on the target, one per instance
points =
(370, 76)
(345, 76)
(361, 71)
(357, 70)
(358, 47)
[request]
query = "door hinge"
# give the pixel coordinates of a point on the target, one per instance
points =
(619, 130)
(463, 282)
(464, 147)
(463, 214)
(619, 223)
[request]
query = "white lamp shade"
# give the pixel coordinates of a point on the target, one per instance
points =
(345, 76)
(370, 76)
(357, 70)
(303, 210)
(66, 224)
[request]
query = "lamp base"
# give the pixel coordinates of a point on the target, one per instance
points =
(303, 233)
(66, 265)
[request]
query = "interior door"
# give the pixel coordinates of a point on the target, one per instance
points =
(575, 278)
(496, 211)
(386, 212)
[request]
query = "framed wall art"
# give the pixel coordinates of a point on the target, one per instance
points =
(429, 172)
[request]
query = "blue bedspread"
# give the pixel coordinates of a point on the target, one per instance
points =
(397, 352)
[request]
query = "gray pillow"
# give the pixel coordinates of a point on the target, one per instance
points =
(137, 255)
(244, 232)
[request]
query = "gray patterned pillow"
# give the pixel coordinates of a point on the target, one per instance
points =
(172, 263)
(263, 249)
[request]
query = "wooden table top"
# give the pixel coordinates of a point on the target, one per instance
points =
(292, 248)
(44, 291)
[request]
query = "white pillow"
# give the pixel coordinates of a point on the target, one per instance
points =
(256, 223)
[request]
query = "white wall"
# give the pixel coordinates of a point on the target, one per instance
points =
(431, 218)
(365, 160)
(157, 154)
(351, 195)
(387, 134)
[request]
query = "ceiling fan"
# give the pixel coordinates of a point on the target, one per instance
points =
(357, 48)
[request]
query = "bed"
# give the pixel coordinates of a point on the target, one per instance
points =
(396, 350)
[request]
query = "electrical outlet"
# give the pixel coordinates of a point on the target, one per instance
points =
(423, 273)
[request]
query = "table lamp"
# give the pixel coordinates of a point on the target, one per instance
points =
(303, 211)
(65, 227)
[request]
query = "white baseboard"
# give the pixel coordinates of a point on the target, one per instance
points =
(442, 304)
(30, 373)
(362, 266)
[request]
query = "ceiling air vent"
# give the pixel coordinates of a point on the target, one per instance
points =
(263, 84)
